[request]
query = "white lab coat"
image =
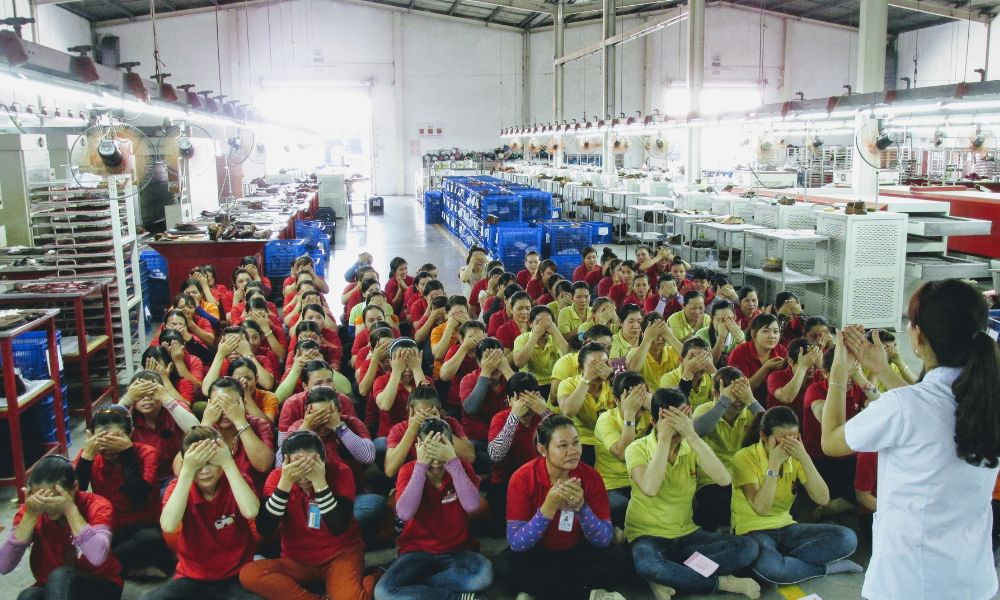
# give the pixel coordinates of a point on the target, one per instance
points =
(931, 533)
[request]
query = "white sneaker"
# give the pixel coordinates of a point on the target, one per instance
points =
(525, 596)
(605, 595)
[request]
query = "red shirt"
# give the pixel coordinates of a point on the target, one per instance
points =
(408, 295)
(497, 320)
(214, 541)
(333, 355)
(478, 425)
(744, 358)
(360, 341)
(653, 300)
(299, 542)
(544, 299)
(745, 321)
(294, 409)
(416, 308)
(261, 427)
(522, 447)
(507, 333)
(399, 411)
(262, 358)
(107, 479)
(631, 299)
(440, 525)
(604, 286)
(224, 296)
(52, 542)
(617, 293)
(523, 278)
(793, 328)
(480, 286)
(353, 300)
(164, 436)
(399, 430)
(779, 379)
(335, 449)
(866, 475)
(812, 430)
(592, 277)
(239, 309)
(535, 289)
(654, 273)
(391, 287)
(527, 490)
(468, 365)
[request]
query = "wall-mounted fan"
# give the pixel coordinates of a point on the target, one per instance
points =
(656, 147)
(516, 145)
(554, 145)
(534, 146)
(768, 149)
(619, 145)
(181, 149)
(980, 141)
(259, 154)
(113, 148)
(814, 145)
(590, 145)
(239, 146)
(872, 141)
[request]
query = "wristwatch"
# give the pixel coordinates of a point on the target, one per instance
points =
(584, 381)
(774, 474)
(629, 423)
(340, 429)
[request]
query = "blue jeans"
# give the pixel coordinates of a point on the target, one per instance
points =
(368, 511)
(381, 447)
(618, 499)
(801, 551)
(424, 576)
(661, 560)
(71, 584)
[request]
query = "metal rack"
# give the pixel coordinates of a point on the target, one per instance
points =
(799, 268)
(90, 233)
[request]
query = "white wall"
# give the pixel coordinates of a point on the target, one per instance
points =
(946, 53)
(464, 77)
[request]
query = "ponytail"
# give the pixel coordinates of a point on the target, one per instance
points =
(752, 436)
(769, 420)
(977, 391)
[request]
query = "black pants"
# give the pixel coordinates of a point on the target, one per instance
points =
(838, 473)
(496, 496)
(711, 507)
(567, 574)
(589, 454)
(996, 524)
(189, 589)
(142, 545)
(67, 583)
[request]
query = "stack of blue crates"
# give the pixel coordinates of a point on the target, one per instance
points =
(155, 291)
(565, 238)
(314, 233)
(433, 204)
(279, 256)
(31, 355)
(509, 242)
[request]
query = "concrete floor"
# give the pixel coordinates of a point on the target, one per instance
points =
(401, 231)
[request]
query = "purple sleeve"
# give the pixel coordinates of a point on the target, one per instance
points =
(500, 446)
(94, 541)
(11, 553)
(278, 458)
(598, 532)
(361, 449)
(525, 535)
(409, 500)
(467, 492)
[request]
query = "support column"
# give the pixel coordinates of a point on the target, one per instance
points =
(873, 22)
(695, 82)
(608, 106)
(525, 85)
(559, 70)
(399, 152)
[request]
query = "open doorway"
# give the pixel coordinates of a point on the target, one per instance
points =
(328, 127)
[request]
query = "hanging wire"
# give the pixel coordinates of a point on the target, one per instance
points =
(968, 35)
(246, 24)
(157, 63)
(270, 46)
(760, 67)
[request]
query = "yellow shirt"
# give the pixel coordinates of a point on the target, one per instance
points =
(682, 329)
(701, 391)
(569, 321)
(607, 432)
(749, 465)
(620, 347)
(582, 329)
(566, 367)
(725, 440)
(211, 308)
(670, 513)
(586, 417)
(654, 368)
(542, 358)
(881, 386)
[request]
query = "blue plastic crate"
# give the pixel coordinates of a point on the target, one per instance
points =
(47, 417)
(567, 263)
(280, 254)
(319, 261)
(31, 354)
(536, 205)
(511, 240)
(156, 265)
(506, 207)
(565, 238)
(601, 232)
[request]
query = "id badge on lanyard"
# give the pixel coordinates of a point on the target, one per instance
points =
(566, 520)
(315, 516)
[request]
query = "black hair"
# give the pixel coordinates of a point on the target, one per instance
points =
(692, 295)
(400, 344)
(226, 383)
(439, 302)
(588, 250)
(611, 266)
(607, 254)
(424, 393)
(432, 285)
(158, 353)
(145, 375)
(303, 440)
(304, 326)
(545, 264)
(394, 264)
(719, 304)
(257, 303)
(473, 250)
(691, 343)
(53, 470)
(185, 297)
(318, 308)
(235, 330)
(549, 426)
(249, 260)
(521, 382)
(420, 276)
(630, 264)
(625, 381)
(378, 333)
(564, 286)
(797, 347)
(650, 318)
(553, 280)
(306, 345)
(490, 343)
(581, 285)
(169, 335)
(588, 349)
(190, 283)
(323, 394)
(511, 290)
(766, 422)
(372, 307)
(196, 434)
(311, 367)
(664, 398)
(365, 285)
(760, 322)
(506, 278)
(470, 325)
(433, 425)
(530, 253)
(725, 377)
(241, 362)
(494, 271)
(175, 312)
(238, 272)
(700, 273)
(951, 317)
(781, 298)
(112, 416)
(816, 321)
(248, 325)
(517, 296)
(457, 300)
(539, 310)
(627, 310)
(886, 336)
(665, 278)
(596, 331)
(828, 358)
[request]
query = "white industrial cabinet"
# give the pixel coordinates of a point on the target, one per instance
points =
(866, 261)
(731, 204)
(332, 192)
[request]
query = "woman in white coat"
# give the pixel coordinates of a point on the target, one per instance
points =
(938, 441)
